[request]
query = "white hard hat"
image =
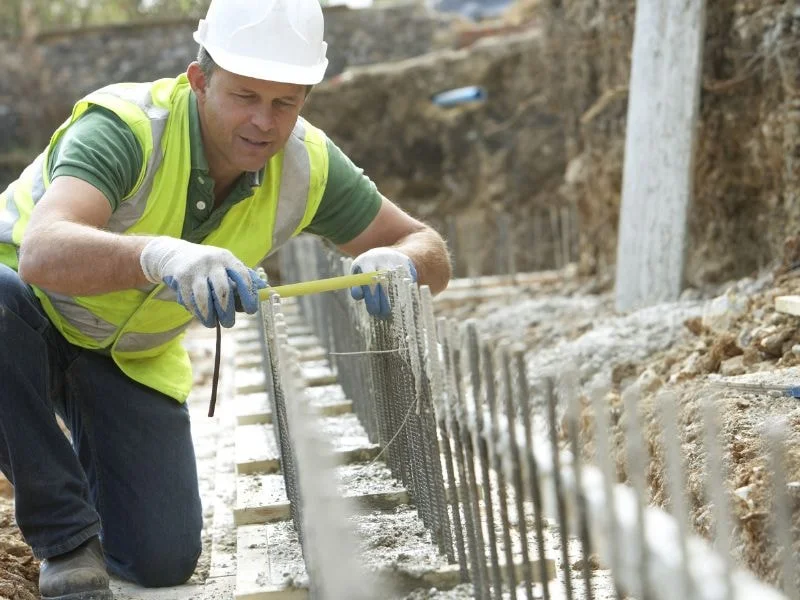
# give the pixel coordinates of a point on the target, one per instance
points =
(273, 40)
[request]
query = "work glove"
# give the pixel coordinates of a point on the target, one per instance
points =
(209, 281)
(378, 259)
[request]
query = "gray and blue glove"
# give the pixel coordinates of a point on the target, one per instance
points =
(208, 281)
(379, 259)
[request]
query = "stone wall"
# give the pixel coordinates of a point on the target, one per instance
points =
(41, 79)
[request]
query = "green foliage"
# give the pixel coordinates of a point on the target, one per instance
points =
(25, 18)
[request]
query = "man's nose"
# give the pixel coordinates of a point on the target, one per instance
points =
(263, 118)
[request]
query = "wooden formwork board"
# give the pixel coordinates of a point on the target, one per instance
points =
(261, 498)
(303, 342)
(255, 408)
(246, 337)
(252, 409)
(271, 564)
(249, 355)
(245, 322)
(315, 373)
(252, 334)
(260, 572)
(257, 450)
(223, 557)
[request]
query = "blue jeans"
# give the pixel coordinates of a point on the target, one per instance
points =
(130, 473)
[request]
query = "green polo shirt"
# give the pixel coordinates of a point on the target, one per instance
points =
(101, 149)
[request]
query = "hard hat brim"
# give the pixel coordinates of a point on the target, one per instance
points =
(266, 70)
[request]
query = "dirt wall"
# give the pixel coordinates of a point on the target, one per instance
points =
(747, 183)
(473, 162)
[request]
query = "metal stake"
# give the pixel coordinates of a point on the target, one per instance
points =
(516, 471)
(563, 529)
(497, 465)
(479, 439)
(675, 473)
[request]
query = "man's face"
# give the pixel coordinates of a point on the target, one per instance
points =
(245, 121)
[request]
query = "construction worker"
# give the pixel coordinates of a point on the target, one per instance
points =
(149, 208)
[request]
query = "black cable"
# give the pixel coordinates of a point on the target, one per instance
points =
(215, 380)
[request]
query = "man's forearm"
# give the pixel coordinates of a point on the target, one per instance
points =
(79, 260)
(428, 252)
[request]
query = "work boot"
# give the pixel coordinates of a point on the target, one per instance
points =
(76, 575)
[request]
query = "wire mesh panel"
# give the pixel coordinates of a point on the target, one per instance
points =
(275, 390)
(497, 468)
(320, 515)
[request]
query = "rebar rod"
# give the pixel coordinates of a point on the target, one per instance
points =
(715, 486)
(604, 458)
(497, 465)
(558, 484)
(635, 459)
(479, 439)
(775, 431)
(433, 465)
(523, 400)
(676, 482)
(516, 469)
(572, 399)
(451, 456)
(470, 498)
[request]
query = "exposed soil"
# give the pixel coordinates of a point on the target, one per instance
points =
(19, 571)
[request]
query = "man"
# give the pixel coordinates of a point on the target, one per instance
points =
(150, 207)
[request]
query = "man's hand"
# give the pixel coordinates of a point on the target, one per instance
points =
(377, 259)
(209, 281)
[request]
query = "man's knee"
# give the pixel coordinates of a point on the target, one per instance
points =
(159, 564)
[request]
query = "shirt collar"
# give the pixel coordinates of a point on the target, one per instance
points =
(198, 154)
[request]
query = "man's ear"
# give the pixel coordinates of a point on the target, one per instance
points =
(197, 79)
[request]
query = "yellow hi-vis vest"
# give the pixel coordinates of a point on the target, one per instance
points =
(143, 328)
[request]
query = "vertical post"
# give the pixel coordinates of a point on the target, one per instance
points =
(497, 465)
(515, 476)
(776, 441)
(561, 506)
(532, 467)
(659, 150)
(448, 431)
(716, 487)
(571, 390)
(471, 498)
(606, 461)
(676, 481)
(482, 450)
(636, 463)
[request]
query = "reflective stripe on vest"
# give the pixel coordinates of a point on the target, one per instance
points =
(136, 342)
(294, 184)
(9, 214)
(132, 209)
